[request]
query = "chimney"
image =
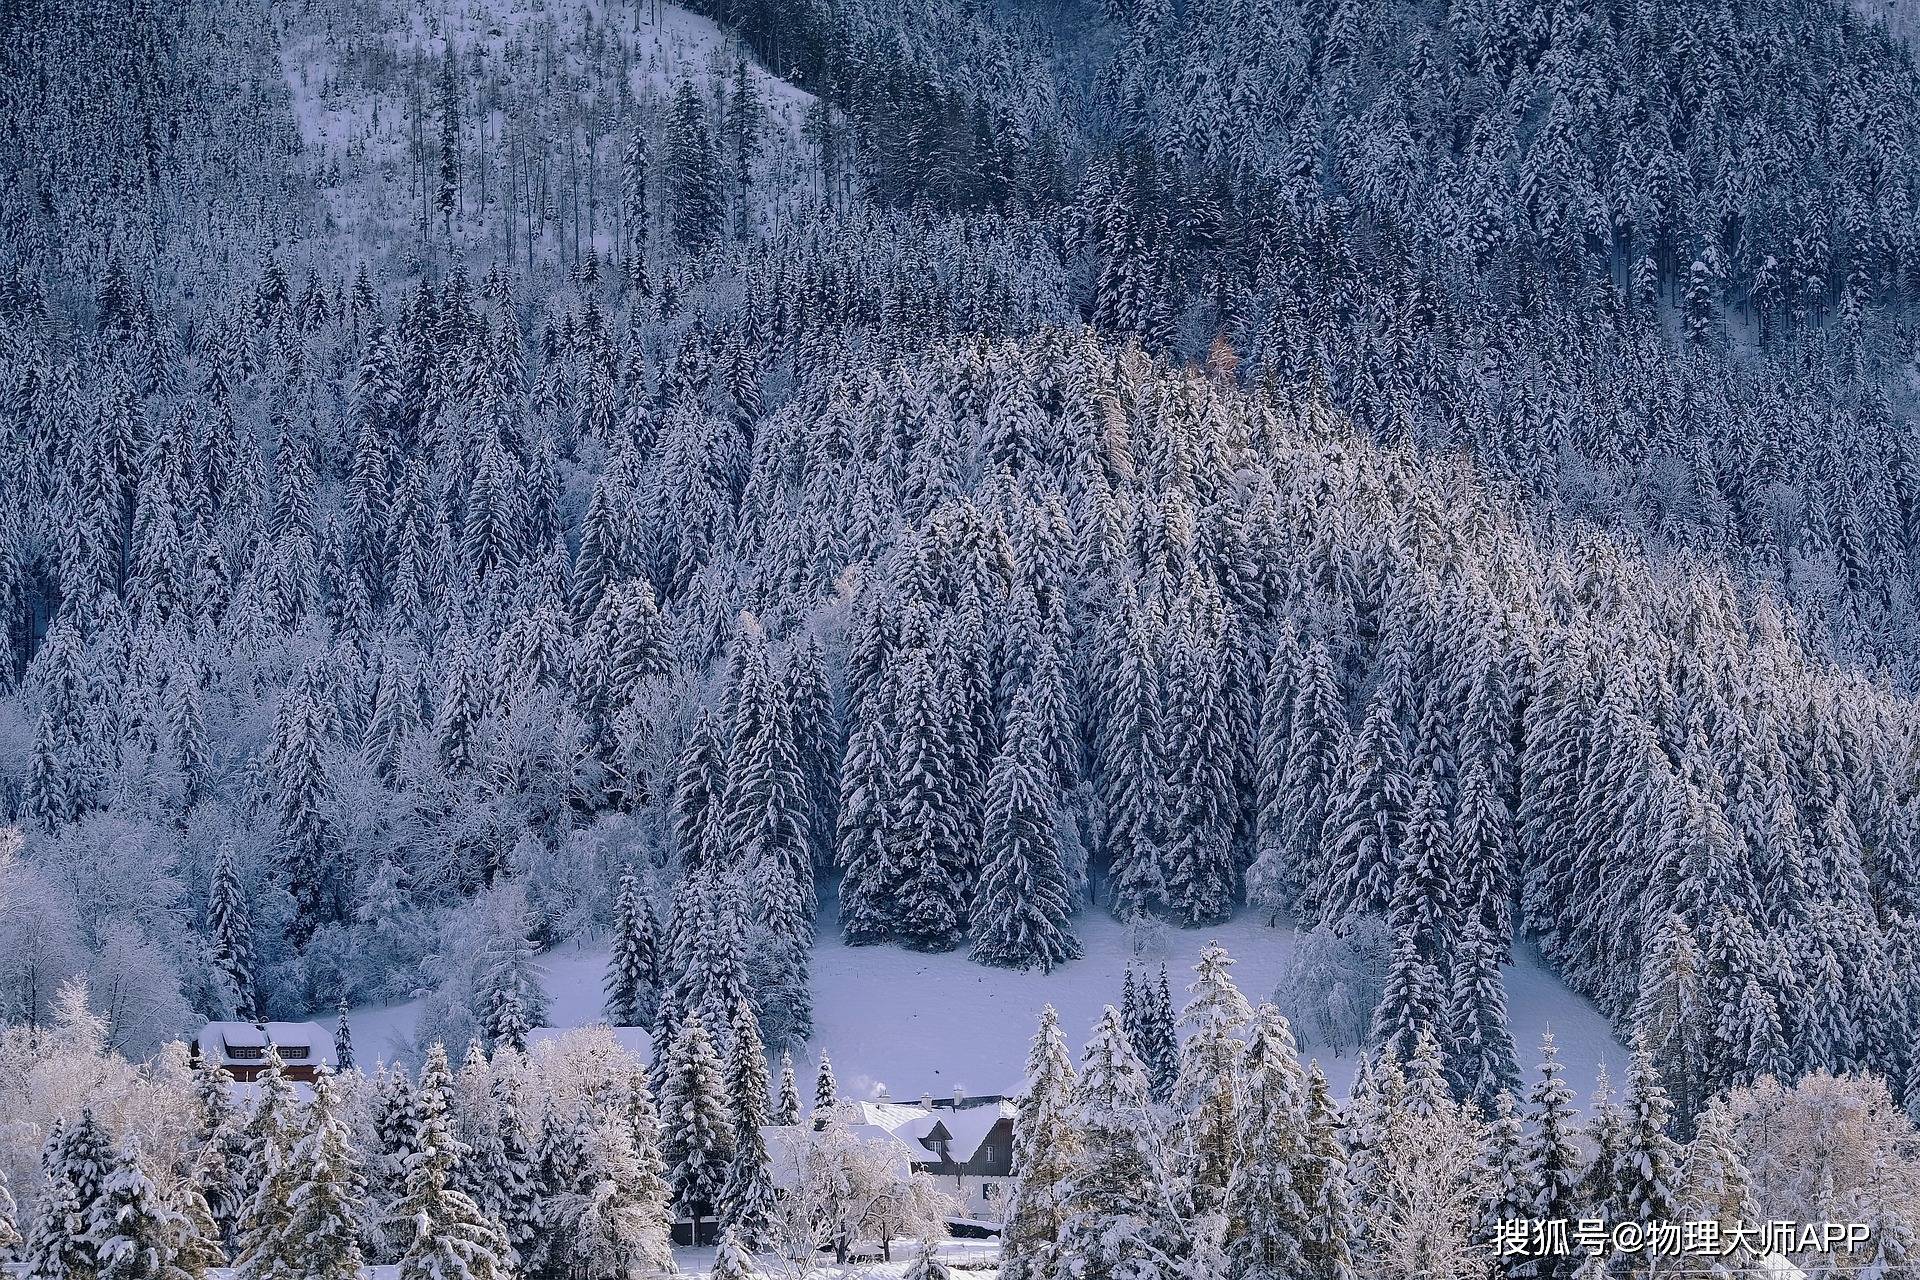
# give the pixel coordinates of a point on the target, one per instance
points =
(926, 1101)
(959, 1097)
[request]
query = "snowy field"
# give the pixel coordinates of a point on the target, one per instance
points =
(911, 1023)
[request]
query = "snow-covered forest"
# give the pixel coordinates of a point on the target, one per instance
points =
(711, 483)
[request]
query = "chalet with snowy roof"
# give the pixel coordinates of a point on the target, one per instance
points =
(241, 1047)
(965, 1143)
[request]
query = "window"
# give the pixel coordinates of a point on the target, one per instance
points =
(295, 1053)
(246, 1053)
(990, 1192)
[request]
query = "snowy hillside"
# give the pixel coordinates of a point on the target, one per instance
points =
(907, 1023)
(370, 84)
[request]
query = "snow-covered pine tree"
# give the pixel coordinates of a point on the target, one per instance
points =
(9, 1222)
(264, 1249)
(329, 1193)
(869, 875)
(1127, 749)
(1412, 1003)
(1366, 813)
(1552, 1158)
(747, 1204)
(131, 1230)
(1646, 1172)
(1327, 1248)
(926, 817)
(1714, 1185)
(787, 1109)
(732, 1260)
(508, 998)
(1505, 1194)
(632, 983)
(927, 1264)
(396, 1128)
(230, 927)
(1479, 1046)
(1199, 854)
(342, 1039)
(1267, 1217)
(1668, 1018)
(1160, 1057)
(826, 1093)
(1044, 1144)
(1021, 902)
(697, 1133)
(446, 1233)
(1115, 1195)
(222, 1147)
(1208, 1084)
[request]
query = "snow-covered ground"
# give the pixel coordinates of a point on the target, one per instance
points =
(364, 80)
(913, 1023)
(966, 1258)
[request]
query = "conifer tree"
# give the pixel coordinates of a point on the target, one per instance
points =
(1114, 1227)
(1044, 1148)
(826, 1093)
(323, 1227)
(342, 1039)
(1552, 1158)
(732, 1260)
(446, 1233)
(1217, 1018)
(927, 820)
(1021, 903)
(1267, 1215)
(632, 970)
(747, 1197)
(1647, 1165)
(132, 1232)
(1480, 1046)
(9, 1222)
(1160, 1051)
(232, 933)
(1327, 1249)
(869, 875)
(787, 1111)
(698, 1137)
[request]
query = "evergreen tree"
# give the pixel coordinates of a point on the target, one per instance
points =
(747, 1199)
(1217, 1018)
(1021, 903)
(342, 1040)
(1646, 1168)
(132, 1232)
(698, 1139)
(1480, 1045)
(1044, 1145)
(323, 1228)
(632, 970)
(1114, 1227)
(826, 1093)
(1268, 1223)
(232, 933)
(732, 1260)
(1552, 1158)
(446, 1233)
(787, 1111)
(1327, 1249)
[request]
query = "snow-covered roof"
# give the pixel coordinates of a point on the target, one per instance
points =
(303, 1044)
(890, 1116)
(966, 1128)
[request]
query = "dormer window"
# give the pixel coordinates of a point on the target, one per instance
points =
(246, 1053)
(295, 1052)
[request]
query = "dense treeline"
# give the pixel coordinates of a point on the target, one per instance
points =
(1357, 503)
